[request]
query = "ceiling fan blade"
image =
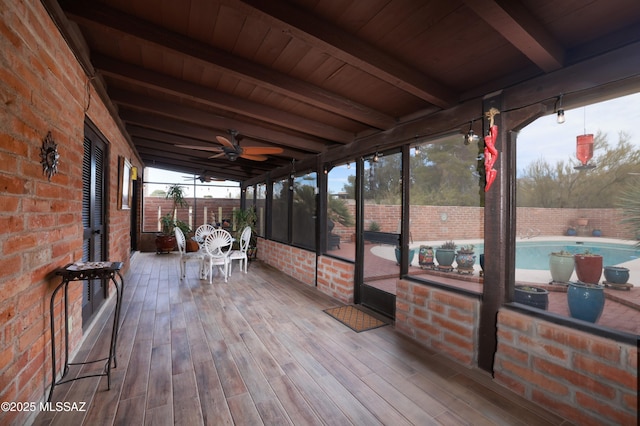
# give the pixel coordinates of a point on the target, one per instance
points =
(254, 157)
(224, 141)
(262, 150)
(221, 154)
(201, 147)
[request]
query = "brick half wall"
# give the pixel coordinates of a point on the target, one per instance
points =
(295, 262)
(587, 379)
(441, 320)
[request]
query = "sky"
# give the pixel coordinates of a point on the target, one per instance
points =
(544, 138)
(557, 142)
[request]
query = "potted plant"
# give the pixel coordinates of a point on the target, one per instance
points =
(426, 256)
(465, 259)
(445, 255)
(166, 240)
(586, 301)
(561, 264)
(532, 296)
(243, 218)
(588, 267)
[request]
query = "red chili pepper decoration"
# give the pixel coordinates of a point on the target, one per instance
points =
(490, 151)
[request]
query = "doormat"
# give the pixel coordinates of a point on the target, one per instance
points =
(354, 318)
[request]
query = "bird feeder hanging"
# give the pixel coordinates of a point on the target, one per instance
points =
(584, 151)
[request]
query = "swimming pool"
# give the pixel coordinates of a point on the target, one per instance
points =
(535, 254)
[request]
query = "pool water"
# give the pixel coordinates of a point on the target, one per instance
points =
(535, 254)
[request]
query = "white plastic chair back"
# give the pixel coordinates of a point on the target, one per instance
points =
(184, 256)
(203, 230)
(241, 255)
(181, 240)
(218, 246)
(245, 239)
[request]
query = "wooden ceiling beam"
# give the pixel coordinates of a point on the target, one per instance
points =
(212, 124)
(342, 45)
(139, 76)
(516, 24)
(128, 27)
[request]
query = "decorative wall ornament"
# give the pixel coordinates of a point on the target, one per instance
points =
(49, 156)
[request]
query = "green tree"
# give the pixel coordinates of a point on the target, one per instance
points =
(444, 173)
(629, 201)
(561, 185)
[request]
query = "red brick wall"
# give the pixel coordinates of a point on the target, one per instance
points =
(444, 321)
(336, 278)
(587, 379)
(427, 222)
(295, 262)
(42, 89)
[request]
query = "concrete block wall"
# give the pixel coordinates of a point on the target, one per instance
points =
(42, 89)
(442, 320)
(587, 379)
(336, 278)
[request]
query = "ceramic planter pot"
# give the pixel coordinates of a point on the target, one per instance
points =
(465, 261)
(426, 256)
(586, 301)
(445, 257)
(412, 253)
(165, 243)
(561, 267)
(616, 274)
(532, 296)
(588, 267)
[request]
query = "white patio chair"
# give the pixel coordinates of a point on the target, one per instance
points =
(217, 247)
(241, 255)
(202, 231)
(185, 256)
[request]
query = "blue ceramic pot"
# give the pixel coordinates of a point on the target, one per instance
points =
(616, 274)
(412, 252)
(532, 296)
(586, 301)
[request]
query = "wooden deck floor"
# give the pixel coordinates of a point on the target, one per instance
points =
(259, 350)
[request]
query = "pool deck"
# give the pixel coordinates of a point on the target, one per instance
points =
(622, 307)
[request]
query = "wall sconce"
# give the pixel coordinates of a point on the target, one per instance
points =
(376, 157)
(560, 119)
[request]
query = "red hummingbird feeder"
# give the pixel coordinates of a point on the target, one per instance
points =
(584, 151)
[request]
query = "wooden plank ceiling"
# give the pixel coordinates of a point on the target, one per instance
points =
(308, 76)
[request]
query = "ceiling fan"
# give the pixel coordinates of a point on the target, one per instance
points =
(203, 177)
(231, 149)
